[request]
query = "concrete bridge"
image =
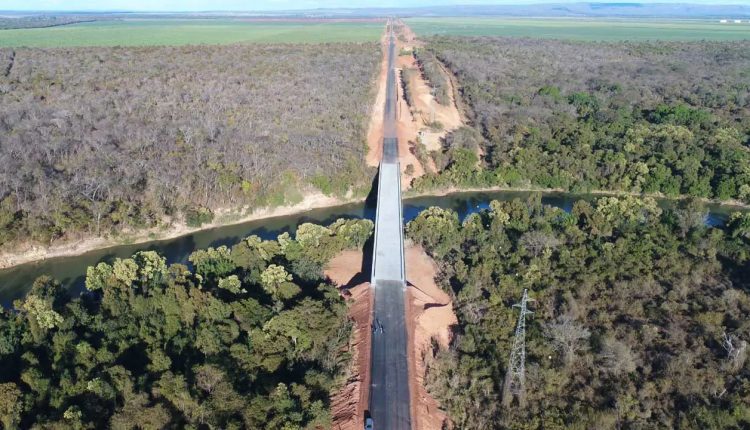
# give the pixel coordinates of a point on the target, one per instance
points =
(389, 382)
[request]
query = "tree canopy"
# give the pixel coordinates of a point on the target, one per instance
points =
(241, 339)
(639, 318)
(96, 140)
(667, 117)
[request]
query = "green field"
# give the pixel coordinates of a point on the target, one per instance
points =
(581, 29)
(187, 32)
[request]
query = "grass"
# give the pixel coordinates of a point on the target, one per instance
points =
(189, 32)
(582, 29)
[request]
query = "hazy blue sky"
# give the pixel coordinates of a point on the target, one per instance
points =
(240, 5)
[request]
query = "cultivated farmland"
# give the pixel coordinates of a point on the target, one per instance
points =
(582, 29)
(148, 32)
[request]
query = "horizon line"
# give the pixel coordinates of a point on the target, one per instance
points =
(266, 11)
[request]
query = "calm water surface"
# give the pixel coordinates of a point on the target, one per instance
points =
(15, 281)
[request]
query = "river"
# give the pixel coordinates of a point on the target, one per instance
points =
(70, 271)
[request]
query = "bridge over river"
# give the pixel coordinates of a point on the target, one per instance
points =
(389, 382)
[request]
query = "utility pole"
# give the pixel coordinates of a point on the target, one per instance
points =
(515, 377)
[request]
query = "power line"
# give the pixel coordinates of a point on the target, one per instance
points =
(515, 377)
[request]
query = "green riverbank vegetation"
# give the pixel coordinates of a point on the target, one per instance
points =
(667, 117)
(250, 336)
(640, 315)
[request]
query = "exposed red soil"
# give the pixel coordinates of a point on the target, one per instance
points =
(413, 120)
(406, 131)
(429, 316)
(410, 120)
(375, 128)
(344, 267)
(348, 405)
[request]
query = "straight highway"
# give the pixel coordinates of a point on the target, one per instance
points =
(389, 381)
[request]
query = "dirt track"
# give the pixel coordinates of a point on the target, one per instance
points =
(413, 120)
(375, 128)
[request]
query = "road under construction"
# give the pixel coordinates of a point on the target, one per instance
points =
(389, 404)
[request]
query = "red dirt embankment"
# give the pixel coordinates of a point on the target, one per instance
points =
(375, 127)
(415, 119)
(429, 315)
(348, 405)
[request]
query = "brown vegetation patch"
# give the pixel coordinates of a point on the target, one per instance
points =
(406, 131)
(95, 141)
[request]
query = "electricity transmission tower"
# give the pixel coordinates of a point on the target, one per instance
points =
(516, 375)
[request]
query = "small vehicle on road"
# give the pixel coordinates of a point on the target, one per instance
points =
(369, 424)
(377, 327)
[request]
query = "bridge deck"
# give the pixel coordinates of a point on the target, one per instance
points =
(389, 389)
(388, 255)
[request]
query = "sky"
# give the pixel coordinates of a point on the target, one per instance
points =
(266, 5)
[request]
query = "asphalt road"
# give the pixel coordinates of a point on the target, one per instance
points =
(389, 382)
(390, 150)
(389, 389)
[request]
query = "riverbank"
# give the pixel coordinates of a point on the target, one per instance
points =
(32, 253)
(36, 253)
(442, 192)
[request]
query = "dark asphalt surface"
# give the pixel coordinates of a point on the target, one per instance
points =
(389, 382)
(389, 389)
(390, 150)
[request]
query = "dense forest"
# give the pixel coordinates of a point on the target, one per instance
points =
(639, 315)
(666, 117)
(248, 337)
(96, 140)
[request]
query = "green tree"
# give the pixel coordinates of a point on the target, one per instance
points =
(42, 318)
(277, 282)
(213, 262)
(435, 228)
(10, 405)
(231, 283)
(353, 233)
(739, 224)
(311, 235)
(149, 347)
(151, 268)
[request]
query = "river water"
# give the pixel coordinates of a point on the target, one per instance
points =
(70, 271)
